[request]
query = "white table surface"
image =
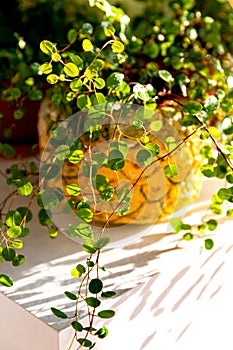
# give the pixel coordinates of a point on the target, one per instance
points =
(158, 279)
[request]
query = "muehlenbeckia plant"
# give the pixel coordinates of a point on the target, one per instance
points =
(156, 93)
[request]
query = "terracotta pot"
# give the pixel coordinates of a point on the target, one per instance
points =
(19, 131)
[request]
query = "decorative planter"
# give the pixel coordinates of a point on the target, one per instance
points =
(153, 193)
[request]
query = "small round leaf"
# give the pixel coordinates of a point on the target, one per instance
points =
(95, 286)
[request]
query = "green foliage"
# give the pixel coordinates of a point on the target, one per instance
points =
(6, 280)
(179, 55)
(58, 313)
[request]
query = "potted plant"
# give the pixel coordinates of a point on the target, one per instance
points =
(134, 115)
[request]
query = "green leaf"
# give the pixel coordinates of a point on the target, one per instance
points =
(17, 244)
(102, 332)
(170, 143)
(209, 243)
(26, 213)
(109, 30)
(52, 78)
(229, 178)
(118, 46)
(143, 113)
(35, 94)
(14, 231)
(70, 295)
(72, 35)
(93, 302)
(97, 64)
(108, 294)
(151, 49)
(71, 69)
(144, 157)
(171, 170)
(98, 99)
(25, 232)
(6, 280)
(140, 92)
(25, 187)
(211, 103)
(47, 47)
(89, 246)
(85, 214)
(227, 125)
(120, 146)
(224, 193)
(106, 313)
(15, 93)
(145, 139)
(207, 170)
(192, 107)
(7, 150)
(188, 236)
(82, 230)
(156, 125)
(87, 28)
(83, 101)
(56, 57)
(166, 76)
(81, 269)
(18, 114)
(70, 96)
(201, 228)
(75, 156)
(47, 199)
(107, 193)
(153, 148)
(18, 260)
(87, 45)
(85, 342)
(58, 313)
(99, 83)
(44, 218)
(46, 68)
(8, 253)
(61, 152)
(77, 60)
(73, 190)
(75, 273)
(102, 242)
(90, 263)
(95, 286)
(115, 160)
(114, 80)
(212, 224)
(101, 182)
(229, 213)
(77, 326)
(53, 232)
(13, 218)
(76, 85)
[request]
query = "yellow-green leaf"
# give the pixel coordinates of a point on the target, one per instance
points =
(47, 47)
(118, 46)
(87, 45)
(71, 69)
(109, 30)
(46, 68)
(56, 57)
(52, 78)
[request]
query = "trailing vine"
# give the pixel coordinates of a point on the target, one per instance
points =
(151, 93)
